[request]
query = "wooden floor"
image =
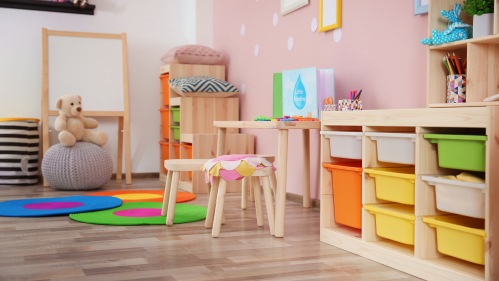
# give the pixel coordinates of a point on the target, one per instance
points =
(57, 248)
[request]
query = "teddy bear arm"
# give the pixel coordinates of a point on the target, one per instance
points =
(89, 123)
(60, 123)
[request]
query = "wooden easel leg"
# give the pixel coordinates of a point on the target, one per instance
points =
(128, 162)
(306, 168)
(119, 159)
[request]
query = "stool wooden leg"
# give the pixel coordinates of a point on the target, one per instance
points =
(258, 200)
(212, 203)
(217, 223)
(269, 203)
(252, 191)
(166, 196)
(244, 193)
(274, 182)
(170, 215)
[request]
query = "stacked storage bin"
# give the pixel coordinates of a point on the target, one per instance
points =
(460, 234)
(394, 221)
(347, 177)
(19, 146)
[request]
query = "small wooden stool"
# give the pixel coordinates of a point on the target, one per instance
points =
(215, 220)
(174, 168)
(247, 185)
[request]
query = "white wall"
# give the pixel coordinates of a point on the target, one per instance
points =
(152, 27)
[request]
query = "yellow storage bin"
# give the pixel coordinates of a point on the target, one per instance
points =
(394, 221)
(460, 237)
(394, 184)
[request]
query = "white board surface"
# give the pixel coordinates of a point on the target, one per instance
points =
(89, 67)
(329, 12)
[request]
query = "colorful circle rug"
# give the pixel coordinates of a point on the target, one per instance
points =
(129, 196)
(138, 213)
(57, 206)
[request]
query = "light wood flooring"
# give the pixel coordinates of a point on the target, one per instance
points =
(57, 248)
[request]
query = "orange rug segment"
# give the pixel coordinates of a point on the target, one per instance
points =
(128, 196)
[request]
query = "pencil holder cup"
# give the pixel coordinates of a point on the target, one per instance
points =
(330, 107)
(347, 105)
(456, 88)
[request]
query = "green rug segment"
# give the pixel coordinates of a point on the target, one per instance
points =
(140, 213)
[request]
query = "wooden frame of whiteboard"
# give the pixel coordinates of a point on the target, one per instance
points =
(123, 116)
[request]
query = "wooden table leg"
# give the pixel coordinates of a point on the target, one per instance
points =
(119, 159)
(170, 215)
(222, 132)
(269, 203)
(166, 196)
(282, 156)
(306, 168)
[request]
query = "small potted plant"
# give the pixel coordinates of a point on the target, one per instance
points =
(482, 12)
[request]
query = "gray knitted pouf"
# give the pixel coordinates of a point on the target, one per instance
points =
(83, 166)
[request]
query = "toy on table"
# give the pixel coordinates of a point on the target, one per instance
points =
(456, 30)
(261, 118)
(287, 118)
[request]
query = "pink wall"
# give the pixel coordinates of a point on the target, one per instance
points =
(379, 52)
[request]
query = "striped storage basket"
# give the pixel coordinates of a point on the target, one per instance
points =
(19, 145)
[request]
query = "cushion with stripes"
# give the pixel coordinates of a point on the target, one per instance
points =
(201, 84)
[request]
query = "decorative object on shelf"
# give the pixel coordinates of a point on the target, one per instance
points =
(348, 104)
(492, 98)
(329, 15)
(329, 104)
(78, 3)
(192, 54)
(288, 6)
(68, 168)
(482, 12)
(421, 7)
(59, 6)
(72, 124)
(457, 29)
(203, 86)
(299, 92)
(456, 88)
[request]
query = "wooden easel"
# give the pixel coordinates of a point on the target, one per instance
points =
(123, 116)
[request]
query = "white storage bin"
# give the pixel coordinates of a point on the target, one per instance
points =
(394, 148)
(344, 144)
(459, 197)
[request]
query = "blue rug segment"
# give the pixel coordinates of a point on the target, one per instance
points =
(57, 206)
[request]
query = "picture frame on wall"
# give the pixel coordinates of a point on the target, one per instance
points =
(421, 7)
(288, 6)
(329, 15)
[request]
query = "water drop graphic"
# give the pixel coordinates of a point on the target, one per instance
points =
(299, 94)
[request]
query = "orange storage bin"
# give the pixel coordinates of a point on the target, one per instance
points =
(347, 193)
(166, 88)
(165, 116)
(189, 155)
(177, 150)
(165, 152)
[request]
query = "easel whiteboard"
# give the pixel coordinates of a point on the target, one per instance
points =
(89, 67)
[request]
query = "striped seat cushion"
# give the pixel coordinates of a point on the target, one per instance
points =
(201, 84)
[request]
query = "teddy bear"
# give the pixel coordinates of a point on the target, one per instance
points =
(72, 124)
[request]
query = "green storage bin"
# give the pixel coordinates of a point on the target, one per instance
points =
(176, 114)
(176, 132)
(460, 151)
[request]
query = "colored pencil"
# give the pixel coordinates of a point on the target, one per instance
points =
(462, 66)
(451, 67)
(446, 65)
(451, 64)
(457, 64)
(358, 96)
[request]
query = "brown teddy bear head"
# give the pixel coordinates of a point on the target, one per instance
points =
(69, 105)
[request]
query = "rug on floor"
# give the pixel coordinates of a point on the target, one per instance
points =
(140, 213)
(129, 196)
(41, 207)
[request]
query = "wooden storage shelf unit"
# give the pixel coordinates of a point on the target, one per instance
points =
(482, 54)
(196, 125)
(423, 259)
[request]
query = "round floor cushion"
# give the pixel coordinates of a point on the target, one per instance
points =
(84, 166)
